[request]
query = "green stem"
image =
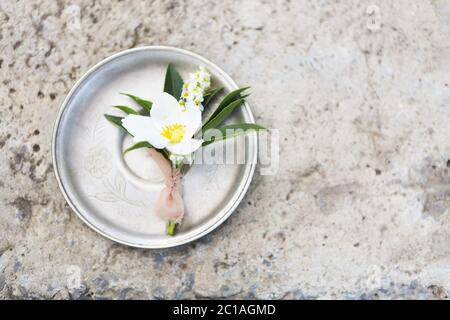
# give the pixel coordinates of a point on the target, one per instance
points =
(171, 225)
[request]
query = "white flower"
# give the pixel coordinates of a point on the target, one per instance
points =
(169, 126)
(194, 88)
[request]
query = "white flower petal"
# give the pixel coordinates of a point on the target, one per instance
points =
(185, 147)
(165, 109)
(192, 119)
(144, 129)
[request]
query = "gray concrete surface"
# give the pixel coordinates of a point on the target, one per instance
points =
(360, 206)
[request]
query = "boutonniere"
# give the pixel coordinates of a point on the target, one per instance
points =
(172, 128)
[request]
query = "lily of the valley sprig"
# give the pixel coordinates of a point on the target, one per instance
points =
(171, 127)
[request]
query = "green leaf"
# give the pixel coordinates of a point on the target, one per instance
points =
(116, 120)
(229, 98)
(145, 144)
(214, 121)
(126, 109)
(210, 95)
(238, 129)
(147, 105)
(165, 153)
(142, 144)
(173, 83)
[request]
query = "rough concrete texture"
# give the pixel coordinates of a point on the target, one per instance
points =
(360, 205)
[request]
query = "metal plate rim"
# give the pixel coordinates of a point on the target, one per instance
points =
(221, 219)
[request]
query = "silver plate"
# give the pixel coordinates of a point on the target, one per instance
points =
(115, 196)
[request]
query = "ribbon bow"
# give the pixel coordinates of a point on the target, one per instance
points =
(169, 205)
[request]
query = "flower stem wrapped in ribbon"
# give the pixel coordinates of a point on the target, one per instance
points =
(169, 127)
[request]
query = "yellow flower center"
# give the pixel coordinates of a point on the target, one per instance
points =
(174, 132)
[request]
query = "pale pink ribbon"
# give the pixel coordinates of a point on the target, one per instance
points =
(169, 205)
